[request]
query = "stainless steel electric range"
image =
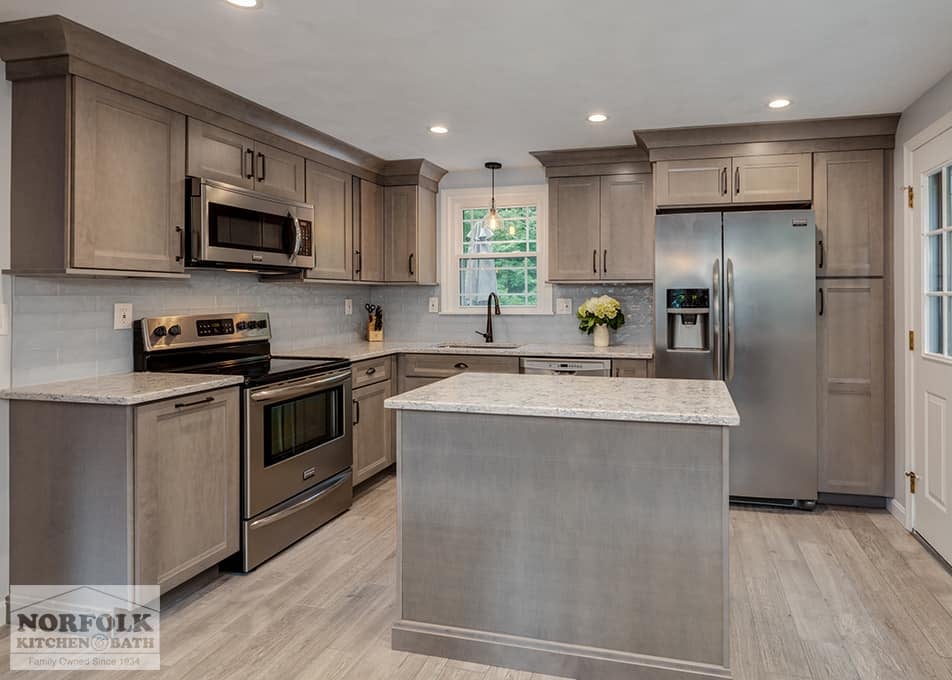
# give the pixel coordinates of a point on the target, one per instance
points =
(296, 421)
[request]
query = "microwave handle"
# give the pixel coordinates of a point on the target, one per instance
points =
(298, 237)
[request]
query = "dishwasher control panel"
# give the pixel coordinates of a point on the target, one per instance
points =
(590, 367)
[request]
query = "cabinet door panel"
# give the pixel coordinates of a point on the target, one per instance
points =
(400, 220)
(786, 178)
(700, 182)
(574, 237)
(186, 486)
(627, 228)
(128, 182)
(223, 155)
(848, 194)
(630, 368)
(330, 191)
(371, 237)
(851, 414)
(278, 172)
(373, 430)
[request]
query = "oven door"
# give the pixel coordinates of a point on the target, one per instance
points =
(298, 434)
(233, 226)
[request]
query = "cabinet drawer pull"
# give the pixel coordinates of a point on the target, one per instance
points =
(250, 162)
(190, 404)
(181, 244)
(356, 411)
(410, 264)
(461, 366)
(737, 180)
(371, 370)
(821, 302)
(261, 173)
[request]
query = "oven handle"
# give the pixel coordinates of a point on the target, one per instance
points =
(310, 500)
(298, 236)
(299, 387)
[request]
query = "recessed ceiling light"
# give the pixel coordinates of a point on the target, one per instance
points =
(439, 129)
(597, 118)
(779, 103)
(245, 4)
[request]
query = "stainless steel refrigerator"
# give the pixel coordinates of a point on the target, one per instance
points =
(735, 301)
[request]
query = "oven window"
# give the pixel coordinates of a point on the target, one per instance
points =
(300, 424)
(232, 227)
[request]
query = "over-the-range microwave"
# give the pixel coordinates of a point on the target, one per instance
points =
(235, 228)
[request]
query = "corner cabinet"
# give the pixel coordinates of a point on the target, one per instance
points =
(848, 198)
(850, 380)
(410, 234)
(144, 494)
(743, 180)
(601, 228)
(330, 191)
(98, 181)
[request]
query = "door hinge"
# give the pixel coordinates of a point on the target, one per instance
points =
(912, 341)
(912, 481)
(910, 196)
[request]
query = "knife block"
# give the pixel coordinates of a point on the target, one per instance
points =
(372, 334)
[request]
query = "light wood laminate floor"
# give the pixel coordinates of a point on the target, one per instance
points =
(837, 594)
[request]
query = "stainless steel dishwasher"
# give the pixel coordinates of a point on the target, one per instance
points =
(592, 367)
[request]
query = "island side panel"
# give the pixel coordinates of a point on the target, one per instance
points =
(604, 534)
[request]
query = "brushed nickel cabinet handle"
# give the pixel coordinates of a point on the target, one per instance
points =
(822, 255)
(461, 366)
(261, 165)
(206, 400)
(737, 181)
(605, 261)
(181, 244)
(250, 162)
(724, 180)
(356, 411)
(410, 264)
(594, 261)
(821, 302)
(371, 370)
(357, 262)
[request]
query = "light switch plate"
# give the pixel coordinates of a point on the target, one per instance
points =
(434, 305)
(348, 307)
(122, 316)
(563, 305)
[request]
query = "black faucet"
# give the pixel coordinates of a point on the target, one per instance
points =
(489, 316)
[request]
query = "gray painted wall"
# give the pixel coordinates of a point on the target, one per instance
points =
(930, 107)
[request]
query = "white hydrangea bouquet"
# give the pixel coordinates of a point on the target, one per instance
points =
(598, 314)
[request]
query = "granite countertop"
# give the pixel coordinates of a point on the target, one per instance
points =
(694, 402)
(123, 389)
(360, 350)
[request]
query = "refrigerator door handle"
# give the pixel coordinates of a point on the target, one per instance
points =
(731, 330)
(716, 321)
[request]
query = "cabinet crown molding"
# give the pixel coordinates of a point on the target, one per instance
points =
(54, 45)
(605, 160)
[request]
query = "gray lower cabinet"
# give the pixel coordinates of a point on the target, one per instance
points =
(848, 198)
(98, 181)
(410, 234)
(632, 368)
(124, 494)
(850, 381)
(373, 430)
(330, 191)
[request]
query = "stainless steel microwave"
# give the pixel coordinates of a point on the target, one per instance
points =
(236, 228)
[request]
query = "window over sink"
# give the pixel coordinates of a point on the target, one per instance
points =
(509, 260)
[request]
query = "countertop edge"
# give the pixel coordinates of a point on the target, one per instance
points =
(47, 392)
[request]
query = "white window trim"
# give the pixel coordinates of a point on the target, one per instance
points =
(450, 232)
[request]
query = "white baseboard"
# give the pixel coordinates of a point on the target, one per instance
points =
(897, 510)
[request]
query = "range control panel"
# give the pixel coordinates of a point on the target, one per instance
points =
(172, 332)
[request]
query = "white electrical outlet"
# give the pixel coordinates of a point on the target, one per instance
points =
(434, 305)
(563, 305)
(122, 316)
(348, 307)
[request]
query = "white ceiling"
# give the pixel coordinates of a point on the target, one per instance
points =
(511, 76)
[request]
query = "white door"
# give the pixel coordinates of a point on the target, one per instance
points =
(932, 362)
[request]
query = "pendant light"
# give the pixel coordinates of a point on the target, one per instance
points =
(493, 220)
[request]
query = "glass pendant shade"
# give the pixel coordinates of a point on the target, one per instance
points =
(493, 218)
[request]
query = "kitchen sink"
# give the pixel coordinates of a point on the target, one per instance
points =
(478, 345)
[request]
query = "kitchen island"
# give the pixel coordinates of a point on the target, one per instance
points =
(565, 525)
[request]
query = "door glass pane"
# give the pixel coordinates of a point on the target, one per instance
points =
(301, 424)
(934, 207)
(934, 262)
(935, 325)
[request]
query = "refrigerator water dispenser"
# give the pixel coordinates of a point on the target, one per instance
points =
(688, 318)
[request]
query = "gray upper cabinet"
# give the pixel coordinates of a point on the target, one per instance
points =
(784, 178)
(692, 182)
(850, 381)
(848, 197)
(574, 239)
(219, 154)
(627, 228)
(128, 182)
(330, 191)
(369, 234)
(410, 233)
(601, 228)
(226, 156)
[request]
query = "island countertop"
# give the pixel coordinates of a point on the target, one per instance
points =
(650, 400)
(122, 389)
